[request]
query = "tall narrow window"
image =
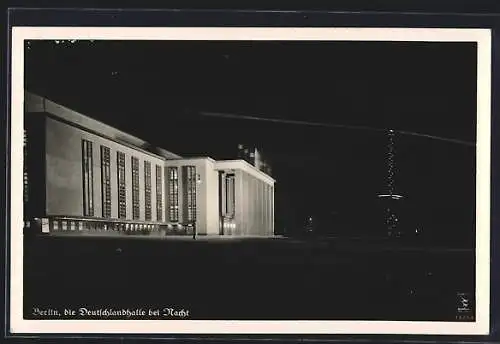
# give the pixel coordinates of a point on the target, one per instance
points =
(25, 168)
(147, 190)
(190, 193)
(159, 194)
(230, 196)
(88, 177)
(106, 181)
(136, 213)
(173, 194)
(122, 200)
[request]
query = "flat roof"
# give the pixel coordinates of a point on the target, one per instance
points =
(244, 165)
(36, 103)
(197, 158)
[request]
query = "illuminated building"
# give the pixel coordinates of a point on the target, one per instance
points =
(82, 176)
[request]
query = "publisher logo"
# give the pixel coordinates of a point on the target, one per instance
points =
(465, 309)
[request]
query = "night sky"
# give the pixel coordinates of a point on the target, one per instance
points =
(157, 90)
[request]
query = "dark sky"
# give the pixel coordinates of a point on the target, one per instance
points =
(156, 90)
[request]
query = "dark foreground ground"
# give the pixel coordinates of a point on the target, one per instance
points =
(249, 279)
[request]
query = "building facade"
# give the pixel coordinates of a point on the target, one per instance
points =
(82, 176)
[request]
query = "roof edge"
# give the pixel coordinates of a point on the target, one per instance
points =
(37, 103)
(251, 167)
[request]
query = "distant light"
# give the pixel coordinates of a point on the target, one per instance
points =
(390, 196)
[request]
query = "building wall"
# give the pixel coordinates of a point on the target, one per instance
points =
(253, 206)
(254, 195)
(242, 214)
(35, 161)
(206, 193)
(64, 184)
(212, 200)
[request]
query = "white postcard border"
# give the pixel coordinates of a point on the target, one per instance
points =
(479, 327)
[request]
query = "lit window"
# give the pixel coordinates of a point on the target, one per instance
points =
(135, 189)
(147, 190)
(173, 194)
(88, 178)
(106, 181)
(230, 196)
(190, 192)
(159, 194)
(122, 200)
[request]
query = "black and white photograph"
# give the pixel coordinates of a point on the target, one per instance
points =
(240, 180)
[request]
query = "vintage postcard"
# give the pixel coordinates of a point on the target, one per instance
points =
(250, 180)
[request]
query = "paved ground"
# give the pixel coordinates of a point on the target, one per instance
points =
(250, 278)
(211, 238)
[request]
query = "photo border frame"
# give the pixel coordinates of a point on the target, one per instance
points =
(484, 98)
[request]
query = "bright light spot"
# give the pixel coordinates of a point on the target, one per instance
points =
(390, 196)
